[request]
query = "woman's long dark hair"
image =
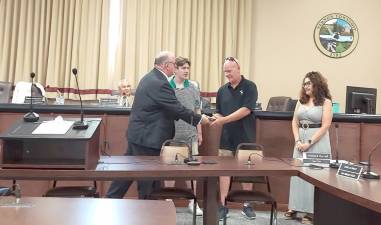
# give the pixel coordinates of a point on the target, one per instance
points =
(320, 89)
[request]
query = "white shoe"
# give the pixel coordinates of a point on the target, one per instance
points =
(198, 209)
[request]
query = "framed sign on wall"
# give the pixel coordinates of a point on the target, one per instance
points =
(336, 35)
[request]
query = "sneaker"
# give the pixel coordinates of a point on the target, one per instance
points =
(248, 212)
(223, 212)
(198, 210)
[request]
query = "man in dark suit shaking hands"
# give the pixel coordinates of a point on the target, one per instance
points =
(152, 119)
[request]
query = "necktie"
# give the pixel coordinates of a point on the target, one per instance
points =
(124, 101)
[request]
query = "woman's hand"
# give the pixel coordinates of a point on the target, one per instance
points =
(303, 147)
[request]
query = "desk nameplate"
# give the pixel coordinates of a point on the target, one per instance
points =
(350, 170)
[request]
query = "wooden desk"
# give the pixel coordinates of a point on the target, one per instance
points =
(343, 201)
(143, 167)
(89, 211)
(332, 193)
(357, 135)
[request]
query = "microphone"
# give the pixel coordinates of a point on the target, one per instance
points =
(79, 125)
(369, 174)
(249, 161)
(336, 163)
(31, 116)
(190, 160)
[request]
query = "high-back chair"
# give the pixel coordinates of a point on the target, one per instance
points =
(5, 92)
(171, 150)
(279, 104)
(244, 152)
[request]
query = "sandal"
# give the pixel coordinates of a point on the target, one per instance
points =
(290, 215)
(307, 219)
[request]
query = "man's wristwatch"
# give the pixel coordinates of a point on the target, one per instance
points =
(310, 141)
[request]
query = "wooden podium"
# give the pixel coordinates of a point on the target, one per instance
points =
(77, 149)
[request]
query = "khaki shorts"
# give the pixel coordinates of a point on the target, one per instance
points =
(225, 152)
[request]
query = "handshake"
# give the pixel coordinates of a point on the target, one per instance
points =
(208, 120)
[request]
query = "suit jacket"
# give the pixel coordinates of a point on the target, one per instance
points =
(154, 111)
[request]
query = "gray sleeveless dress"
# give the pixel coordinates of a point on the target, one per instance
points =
(301, 192)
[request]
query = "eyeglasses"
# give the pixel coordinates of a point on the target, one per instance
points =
(232, 59)
(308, 83)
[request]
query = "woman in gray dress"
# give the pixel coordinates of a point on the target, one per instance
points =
(310, 124)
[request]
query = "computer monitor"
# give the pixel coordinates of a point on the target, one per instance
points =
(361, 100)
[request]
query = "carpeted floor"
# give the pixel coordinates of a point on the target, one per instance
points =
(184, 217)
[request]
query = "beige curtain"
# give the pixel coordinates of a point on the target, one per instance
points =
(205, 31)
(52, 37)
(108, 40)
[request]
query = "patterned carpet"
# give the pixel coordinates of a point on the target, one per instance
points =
(184, 217)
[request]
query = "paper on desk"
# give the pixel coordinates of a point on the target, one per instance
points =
(56, 126)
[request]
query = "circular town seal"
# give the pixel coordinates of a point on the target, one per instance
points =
(336, 35)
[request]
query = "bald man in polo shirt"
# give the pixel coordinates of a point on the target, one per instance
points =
(236, 102)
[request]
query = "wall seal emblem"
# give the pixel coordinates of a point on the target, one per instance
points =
(336, 35)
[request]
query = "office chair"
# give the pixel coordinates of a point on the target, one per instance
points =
(171, 150)
(243, 152)
(73, 191)
(5, 92)
(292, 105)
(279, 104)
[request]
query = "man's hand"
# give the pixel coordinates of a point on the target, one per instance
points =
(219, 121)
(204, 120)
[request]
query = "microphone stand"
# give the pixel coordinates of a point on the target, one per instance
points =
(369, 174)
(79, 125)
(31, 116)
(336, 164)
(190, 158)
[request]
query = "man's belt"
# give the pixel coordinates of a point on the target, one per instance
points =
(309, 125)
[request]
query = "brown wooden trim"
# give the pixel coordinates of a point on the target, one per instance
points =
(104, 91)
(75, 91)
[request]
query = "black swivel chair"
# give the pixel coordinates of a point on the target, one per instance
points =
(171, 150)
(243, 152)
(279, 104)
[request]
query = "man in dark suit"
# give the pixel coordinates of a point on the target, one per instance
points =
(152, 119)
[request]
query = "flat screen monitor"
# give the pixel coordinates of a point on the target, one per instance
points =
(361, 100)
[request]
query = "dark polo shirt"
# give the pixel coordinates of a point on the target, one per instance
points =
(229, 100)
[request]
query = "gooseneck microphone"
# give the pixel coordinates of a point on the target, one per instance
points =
(31, 116)
(336, 164)
(79, 125)
(249, 161)
(190, 160)
(369, 174)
